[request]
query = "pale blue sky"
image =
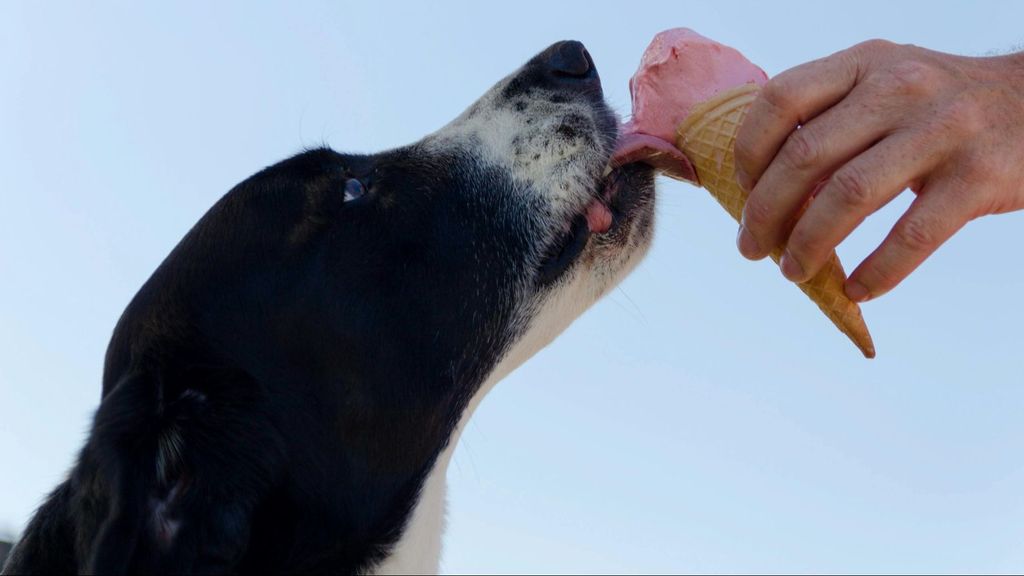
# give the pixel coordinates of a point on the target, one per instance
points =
(703, 417)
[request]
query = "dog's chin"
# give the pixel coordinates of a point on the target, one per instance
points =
(599, 234)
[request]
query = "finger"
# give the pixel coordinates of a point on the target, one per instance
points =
(932, 218)
(787, 100)
(809, 155)
(856, 190)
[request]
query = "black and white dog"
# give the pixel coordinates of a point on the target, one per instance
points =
(285, 392)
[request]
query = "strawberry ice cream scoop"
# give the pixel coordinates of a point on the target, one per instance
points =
(679, 69)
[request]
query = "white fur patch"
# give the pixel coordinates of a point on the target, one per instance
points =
(532, 145)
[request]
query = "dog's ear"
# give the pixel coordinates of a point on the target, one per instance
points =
(5, 551)
(47, 545)
(185, 467)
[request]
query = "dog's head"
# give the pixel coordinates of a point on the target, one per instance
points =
(429, 263)
(278, 393)
(362, 302)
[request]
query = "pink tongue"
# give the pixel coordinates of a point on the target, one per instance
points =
(661, 154)
(636, 147)
(599, 217)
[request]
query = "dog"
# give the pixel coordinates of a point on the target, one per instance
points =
(286, 390)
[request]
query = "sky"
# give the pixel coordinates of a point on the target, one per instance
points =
(703, 417)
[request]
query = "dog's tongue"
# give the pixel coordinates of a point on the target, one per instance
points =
(635, 146)
(599, 217)
(679, 69)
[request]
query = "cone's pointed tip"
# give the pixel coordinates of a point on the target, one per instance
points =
(867, 348)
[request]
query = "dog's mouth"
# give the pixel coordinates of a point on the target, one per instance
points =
(633, 148)
(603, 215)
(608, 209)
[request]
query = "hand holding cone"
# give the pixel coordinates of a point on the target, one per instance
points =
(707, 137)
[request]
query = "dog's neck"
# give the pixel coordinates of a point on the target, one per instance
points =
(418, 550)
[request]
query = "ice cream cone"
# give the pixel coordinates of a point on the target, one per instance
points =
(707, 136)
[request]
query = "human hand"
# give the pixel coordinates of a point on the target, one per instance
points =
(874, 120)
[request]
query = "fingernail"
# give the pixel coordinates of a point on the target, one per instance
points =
(857, 292)
(747, 244)
(791, 269)
(743, 180)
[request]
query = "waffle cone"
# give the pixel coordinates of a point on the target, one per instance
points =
(707, 137)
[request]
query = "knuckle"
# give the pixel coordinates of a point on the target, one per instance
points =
(804, 244)
(971, 166)
(756, 217)
(745, 153)
(910, 77)
(802, 150)
(852, 186)
(869, 50)
(881, 276)
(916, 234)
(779, 93)
(976, 170)
(963, 114)
(873, 45)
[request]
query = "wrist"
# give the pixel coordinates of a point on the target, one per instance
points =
(1007, 68)
(1016, 65)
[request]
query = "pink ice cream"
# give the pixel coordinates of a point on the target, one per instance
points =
(679, 69)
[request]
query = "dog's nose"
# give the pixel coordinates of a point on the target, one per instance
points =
(570, 60)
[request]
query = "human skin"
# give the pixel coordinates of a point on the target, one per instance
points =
(874, 120)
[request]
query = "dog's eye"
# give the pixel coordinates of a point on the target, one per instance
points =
(354, 190)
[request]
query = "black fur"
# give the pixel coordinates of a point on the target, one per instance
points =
(276, 392)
